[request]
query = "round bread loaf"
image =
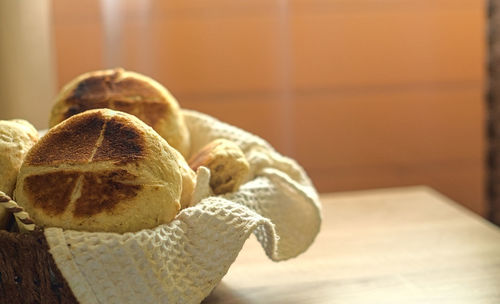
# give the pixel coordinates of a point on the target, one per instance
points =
(101, 170)
(17, 136)
(228, 165)
(128, 92)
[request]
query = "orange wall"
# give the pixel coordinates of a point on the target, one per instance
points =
(363, 95)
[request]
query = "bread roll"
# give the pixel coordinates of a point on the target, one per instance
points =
(228, 165)
(101, 170)
(17, 136)
(188, 182)
(128, 92)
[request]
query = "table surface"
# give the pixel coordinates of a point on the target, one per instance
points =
(402, 245)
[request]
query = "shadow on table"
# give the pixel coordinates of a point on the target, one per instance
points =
(224, 294)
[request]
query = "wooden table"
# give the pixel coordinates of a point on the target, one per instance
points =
(403, 245)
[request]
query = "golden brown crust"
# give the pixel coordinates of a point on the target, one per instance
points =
(128, 92)
(103, 191)
(100, 191)
(72, 143)
(120, 176)
(122, 94)
(51, 191)
(121, 142)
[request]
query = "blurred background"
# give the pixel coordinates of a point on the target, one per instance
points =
(363, 93)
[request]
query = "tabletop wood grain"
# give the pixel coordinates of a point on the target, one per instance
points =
(402, 245)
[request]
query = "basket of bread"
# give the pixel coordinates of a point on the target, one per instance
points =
(128, 198)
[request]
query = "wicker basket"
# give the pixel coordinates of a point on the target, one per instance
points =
(28, 273)
(179, 262)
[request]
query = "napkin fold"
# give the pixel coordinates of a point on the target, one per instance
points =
(183, 261)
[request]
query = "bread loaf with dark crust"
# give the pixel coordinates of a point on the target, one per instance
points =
(101, 170)
(128, 92)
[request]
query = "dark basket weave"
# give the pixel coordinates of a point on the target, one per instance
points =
(28, 273)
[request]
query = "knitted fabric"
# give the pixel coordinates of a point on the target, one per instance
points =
(181, 262)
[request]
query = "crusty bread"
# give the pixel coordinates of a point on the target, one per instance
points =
(17, 136)
(228, 165)
(101, 170)
(129, 92)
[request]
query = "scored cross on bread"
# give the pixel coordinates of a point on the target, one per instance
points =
(101, 170)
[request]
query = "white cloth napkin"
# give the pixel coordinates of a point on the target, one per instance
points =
(181, 262)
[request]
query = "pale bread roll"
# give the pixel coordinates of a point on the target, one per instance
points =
(129, 92)
(228, 165)
(17, 136)
(188, 182)
(101, 170)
